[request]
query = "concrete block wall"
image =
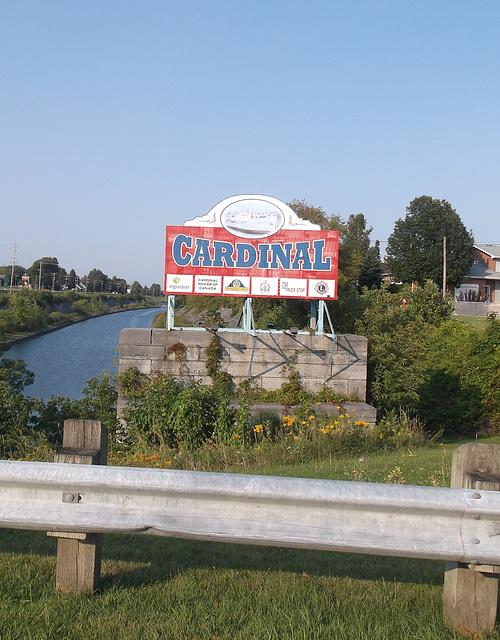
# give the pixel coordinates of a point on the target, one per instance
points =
(320, 360)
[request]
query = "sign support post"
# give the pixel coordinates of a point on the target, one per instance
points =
(170, 312)
(248, 321)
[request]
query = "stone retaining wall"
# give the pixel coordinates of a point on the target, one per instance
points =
(264, 358)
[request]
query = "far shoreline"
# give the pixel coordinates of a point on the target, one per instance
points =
(34, 334)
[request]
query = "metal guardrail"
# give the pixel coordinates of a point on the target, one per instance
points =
(399, 520)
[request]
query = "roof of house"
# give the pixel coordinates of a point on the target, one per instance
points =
(490, 249)
(480, 271)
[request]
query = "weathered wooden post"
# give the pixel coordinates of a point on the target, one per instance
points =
(471, 590)
(79, 554)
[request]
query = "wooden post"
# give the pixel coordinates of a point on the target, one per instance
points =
(471, 591)
(79, 554)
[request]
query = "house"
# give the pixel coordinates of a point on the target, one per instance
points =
(483, 282)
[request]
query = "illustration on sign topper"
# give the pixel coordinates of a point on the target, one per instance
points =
(252, 217)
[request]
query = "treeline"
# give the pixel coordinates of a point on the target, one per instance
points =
(27, 309)
(46, 273)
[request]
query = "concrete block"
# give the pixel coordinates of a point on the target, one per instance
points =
(158, 336)
(356, 410)
(135, 336)
(340, 386)
(142, 351)
(271, 383)
(357, 388)
(144, 366)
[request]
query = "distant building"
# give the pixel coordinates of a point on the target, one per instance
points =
(479, 294)
(483, 281)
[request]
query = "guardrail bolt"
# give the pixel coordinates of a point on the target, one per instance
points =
(71, 497)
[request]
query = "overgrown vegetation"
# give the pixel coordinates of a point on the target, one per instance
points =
(441, 369)
(30, 424)
(434, 367)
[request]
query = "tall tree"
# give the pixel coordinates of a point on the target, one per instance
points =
(96, 280)
(118, 285)
(62, 278)
(415, 247)
(72, 280)
(355, 242)
(155, 290)
(316, 215)
(371, 268)
(41, 272)
(136, 288)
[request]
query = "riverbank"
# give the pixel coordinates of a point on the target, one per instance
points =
(16, 337)
(64, 361)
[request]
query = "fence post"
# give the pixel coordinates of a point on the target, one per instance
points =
(471, 591)
(79, 554)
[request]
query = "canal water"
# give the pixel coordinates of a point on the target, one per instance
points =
(64, 360)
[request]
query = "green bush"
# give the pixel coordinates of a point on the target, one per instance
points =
(461, 390)
(166, 411)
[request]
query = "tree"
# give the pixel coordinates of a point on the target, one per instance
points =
(397, 337)
(355, 242)
(17, 414)
(41, 272)
(371, 268)
(96, 280)
(316, 215)
(415, 247)
(118, 285)
(62, 278)
(27, 309)
(71, 284)
(18, 272)
(136, 288)
(155, 290)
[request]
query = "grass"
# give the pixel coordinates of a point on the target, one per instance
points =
(474, 322)
(160, 588)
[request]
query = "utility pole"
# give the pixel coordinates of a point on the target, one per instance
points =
(40, 277)
(12, 270)
(444, 267)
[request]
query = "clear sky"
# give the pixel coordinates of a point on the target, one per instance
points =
(122, 116)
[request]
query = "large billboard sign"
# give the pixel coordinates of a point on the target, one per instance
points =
(251, 246)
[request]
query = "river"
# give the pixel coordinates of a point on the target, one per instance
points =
(64, 360)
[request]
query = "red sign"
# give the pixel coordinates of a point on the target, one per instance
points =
(225, 260)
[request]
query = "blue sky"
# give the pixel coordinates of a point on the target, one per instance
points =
(122, 116)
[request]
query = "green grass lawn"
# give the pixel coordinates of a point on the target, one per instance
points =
(154, 588)
(475, 322)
